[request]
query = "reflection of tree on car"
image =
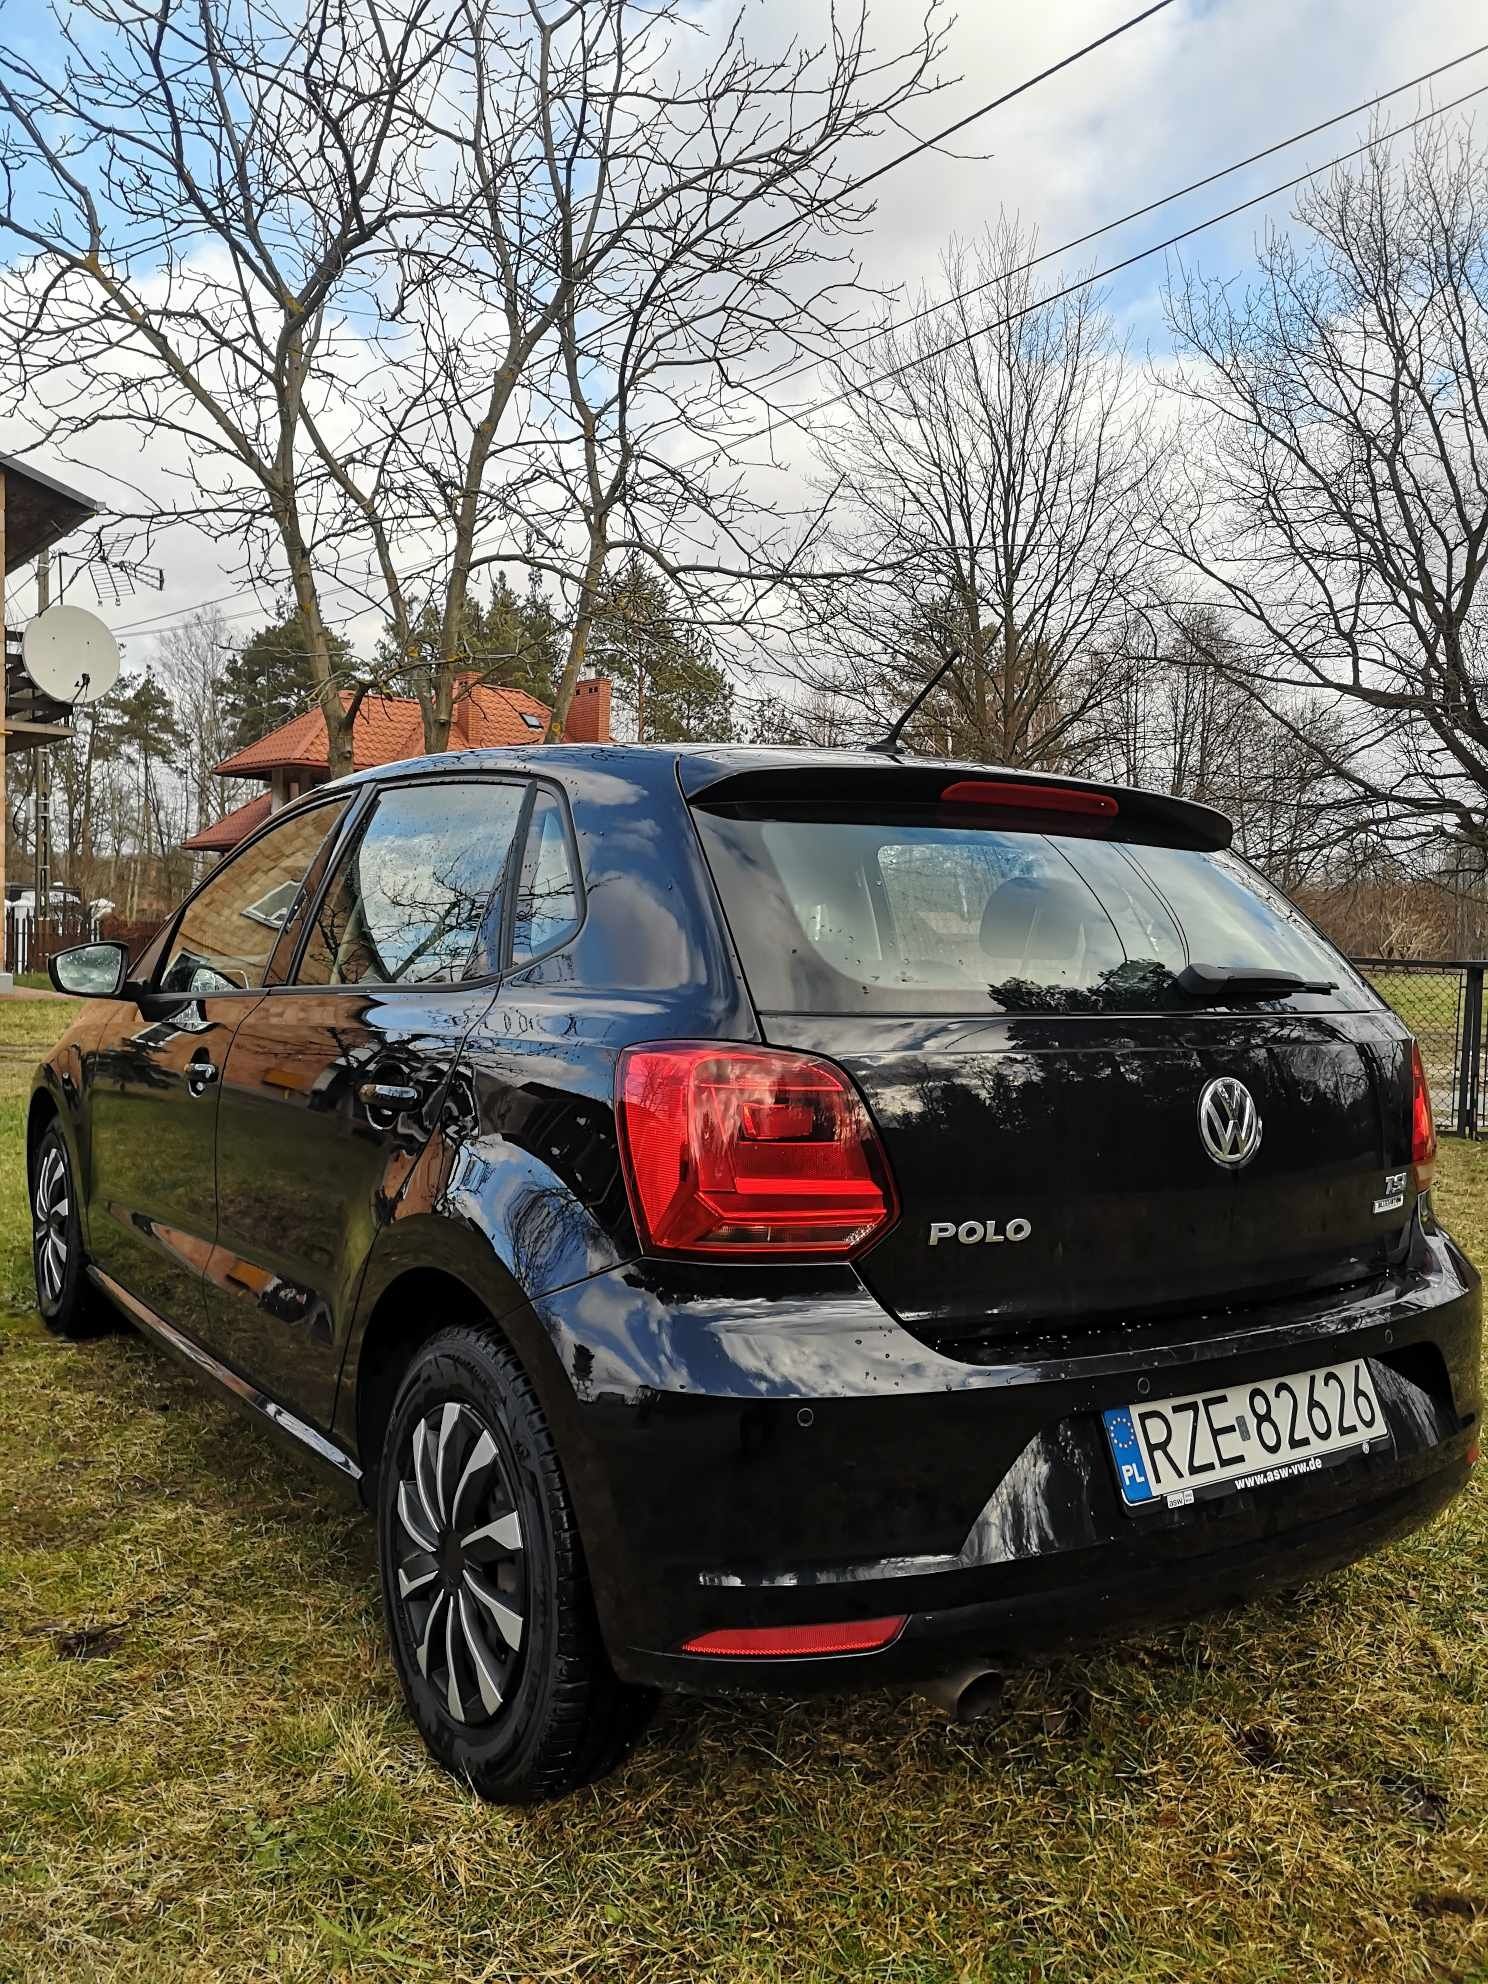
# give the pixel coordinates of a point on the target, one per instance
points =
(408, 904)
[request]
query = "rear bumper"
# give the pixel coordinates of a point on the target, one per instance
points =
(796, 1457)
(1100, 1597)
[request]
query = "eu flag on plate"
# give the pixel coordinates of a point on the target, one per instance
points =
(1127, 1454)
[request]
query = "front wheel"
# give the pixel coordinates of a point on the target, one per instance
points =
(69, 1306)
(487, 1600)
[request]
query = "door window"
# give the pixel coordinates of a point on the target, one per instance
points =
(228, 931)
(546, 911)
(419, 890)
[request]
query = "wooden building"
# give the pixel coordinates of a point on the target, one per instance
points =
(36, 512)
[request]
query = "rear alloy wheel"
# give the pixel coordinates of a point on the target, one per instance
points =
(67, 1303)
(461, 1574)
(487, 1599)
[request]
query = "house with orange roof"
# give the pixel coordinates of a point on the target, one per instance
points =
(295, 757)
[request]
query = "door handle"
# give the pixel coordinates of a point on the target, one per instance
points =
(388, 1095)
(200, 1076)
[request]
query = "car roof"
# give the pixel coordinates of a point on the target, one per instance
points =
(761, 771)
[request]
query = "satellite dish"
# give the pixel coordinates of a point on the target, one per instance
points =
(70, 655)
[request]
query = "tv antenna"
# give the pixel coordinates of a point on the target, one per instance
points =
(117, 578)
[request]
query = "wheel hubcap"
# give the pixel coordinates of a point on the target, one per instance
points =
(49, 1211)
(460, 1570)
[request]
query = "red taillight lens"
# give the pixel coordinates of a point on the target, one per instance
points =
(780, 1642)
(748, 1150)
(1423, 1128)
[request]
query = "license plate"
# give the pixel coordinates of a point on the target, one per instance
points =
(1169, 1451)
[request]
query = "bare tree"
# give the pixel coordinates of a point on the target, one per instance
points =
(438, 453)
(429, 285)
(1183, 717)
(1334, 492)
(189, 657)
(205, 199)
(992, 472)
(699, 200)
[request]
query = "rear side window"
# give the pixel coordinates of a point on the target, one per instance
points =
(906, 915)
(546, 908)
(420, 884)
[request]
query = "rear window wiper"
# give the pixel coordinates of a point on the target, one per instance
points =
(1220, 982)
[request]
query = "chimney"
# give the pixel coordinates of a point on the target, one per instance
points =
(465, 710)
(589, 712)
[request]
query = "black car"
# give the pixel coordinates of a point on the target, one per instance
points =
(752, 1218)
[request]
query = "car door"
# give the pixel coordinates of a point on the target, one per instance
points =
(155, 1068)
(334, 1081)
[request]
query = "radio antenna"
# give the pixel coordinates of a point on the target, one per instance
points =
(890, 740)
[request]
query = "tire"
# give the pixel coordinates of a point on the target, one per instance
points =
(487, 1601)
(70, 1306)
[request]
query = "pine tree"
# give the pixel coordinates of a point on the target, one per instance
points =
(268, 680)
(510, 641)
(669, 685)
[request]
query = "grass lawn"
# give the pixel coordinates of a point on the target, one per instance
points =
(205, 1772)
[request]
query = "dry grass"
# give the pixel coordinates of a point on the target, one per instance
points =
(205, 1774)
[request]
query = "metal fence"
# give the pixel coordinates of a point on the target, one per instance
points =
(1441, 1001)
(29, 941)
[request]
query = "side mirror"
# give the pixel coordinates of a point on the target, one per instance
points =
(90, 971)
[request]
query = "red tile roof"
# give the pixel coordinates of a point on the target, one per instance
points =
(224, 834)
(391, 727)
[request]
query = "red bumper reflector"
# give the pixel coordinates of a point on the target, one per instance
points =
(1028, 798)
(1474, 1454)
(849, 1636)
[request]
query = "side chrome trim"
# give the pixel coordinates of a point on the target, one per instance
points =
(181, 1345)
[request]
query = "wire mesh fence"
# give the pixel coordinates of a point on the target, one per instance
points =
(1441, 1001)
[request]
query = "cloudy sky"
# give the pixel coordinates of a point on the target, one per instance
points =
(1201, 84)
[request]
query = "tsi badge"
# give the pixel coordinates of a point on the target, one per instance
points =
(976, 1232)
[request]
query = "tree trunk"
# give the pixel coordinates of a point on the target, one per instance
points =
(339, 724)
(578, 641)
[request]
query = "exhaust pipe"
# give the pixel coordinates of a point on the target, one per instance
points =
(968, 1693)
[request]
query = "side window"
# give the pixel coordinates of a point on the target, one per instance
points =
(546, 910)
(227, 935)
(408, 903)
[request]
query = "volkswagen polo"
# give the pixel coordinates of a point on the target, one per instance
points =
(767, 1219)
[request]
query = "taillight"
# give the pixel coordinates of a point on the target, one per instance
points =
(1423, 1127)
(748, 1150)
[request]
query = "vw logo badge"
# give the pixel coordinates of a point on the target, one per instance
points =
(1229, 1122)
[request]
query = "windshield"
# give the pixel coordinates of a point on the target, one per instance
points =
(908, 916)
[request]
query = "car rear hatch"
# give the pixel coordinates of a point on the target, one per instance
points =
(1008, 982)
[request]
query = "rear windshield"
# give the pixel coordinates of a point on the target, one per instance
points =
(908, 916)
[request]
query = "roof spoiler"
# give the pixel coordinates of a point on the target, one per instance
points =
(1022, 801)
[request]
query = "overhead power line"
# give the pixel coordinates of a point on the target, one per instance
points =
(939, 138)
(798, 416)
(810, 365)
